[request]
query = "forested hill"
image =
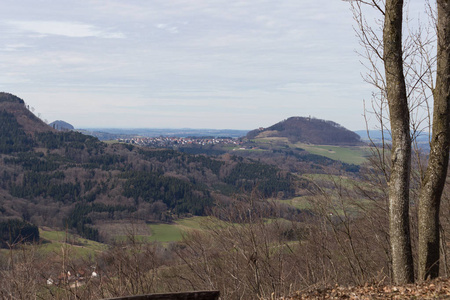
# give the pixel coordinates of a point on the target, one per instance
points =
(309, 130)
(21, 113)
(70, 180)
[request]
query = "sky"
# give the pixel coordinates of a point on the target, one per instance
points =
(183, 63)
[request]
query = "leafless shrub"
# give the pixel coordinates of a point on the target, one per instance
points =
(20, 273)
(243, 254)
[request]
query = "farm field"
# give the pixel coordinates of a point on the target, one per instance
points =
(56, 241)
(301, 203)
(347, 154)
(174, 232)
(162, 232)
(351, 155)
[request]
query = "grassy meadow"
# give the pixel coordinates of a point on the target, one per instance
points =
(351, 155)
(153, 232)
(55, 241)
(59, 243)
(347, 154)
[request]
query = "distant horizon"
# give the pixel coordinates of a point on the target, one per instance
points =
(161, 128)
(183, 128)
(187, 128)
(197, 128)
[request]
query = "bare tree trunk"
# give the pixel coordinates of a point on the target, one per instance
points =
(434, 179)
(402, 262)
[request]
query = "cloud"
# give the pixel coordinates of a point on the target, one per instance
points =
(167, 27)
(67, 29)
(192, 62)
(15, 47)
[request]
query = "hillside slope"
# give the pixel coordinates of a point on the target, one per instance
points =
(25, 118)
(308, 130)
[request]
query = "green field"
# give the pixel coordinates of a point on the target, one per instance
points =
(60, 245)
(347, 154)
(301, 203)
(351, 155)
(272, 140)
(59, 242)
(173, 232)
(165, 233)
(53, 241)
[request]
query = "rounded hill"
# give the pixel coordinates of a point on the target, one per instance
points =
(309, 130)
(61, 125)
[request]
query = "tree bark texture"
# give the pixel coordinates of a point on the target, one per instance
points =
(399, 230)
(435, 175)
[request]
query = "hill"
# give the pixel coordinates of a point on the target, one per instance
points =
(309, 130)
(61, 125)
(21, 114)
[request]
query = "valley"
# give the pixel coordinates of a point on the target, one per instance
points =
(97, 203)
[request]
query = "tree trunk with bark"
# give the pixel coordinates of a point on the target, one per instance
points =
(402, 261)
(436, 173)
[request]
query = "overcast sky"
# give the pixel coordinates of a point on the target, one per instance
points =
(183, 63)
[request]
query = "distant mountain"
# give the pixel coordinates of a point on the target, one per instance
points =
(61, 125)
(309, 130)
(376, 137)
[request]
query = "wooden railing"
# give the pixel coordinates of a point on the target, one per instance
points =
(201, 295)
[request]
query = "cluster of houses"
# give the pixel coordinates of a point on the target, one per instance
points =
(73, 279)
(178, 141)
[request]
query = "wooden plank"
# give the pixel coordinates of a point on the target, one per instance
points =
(200, 295)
